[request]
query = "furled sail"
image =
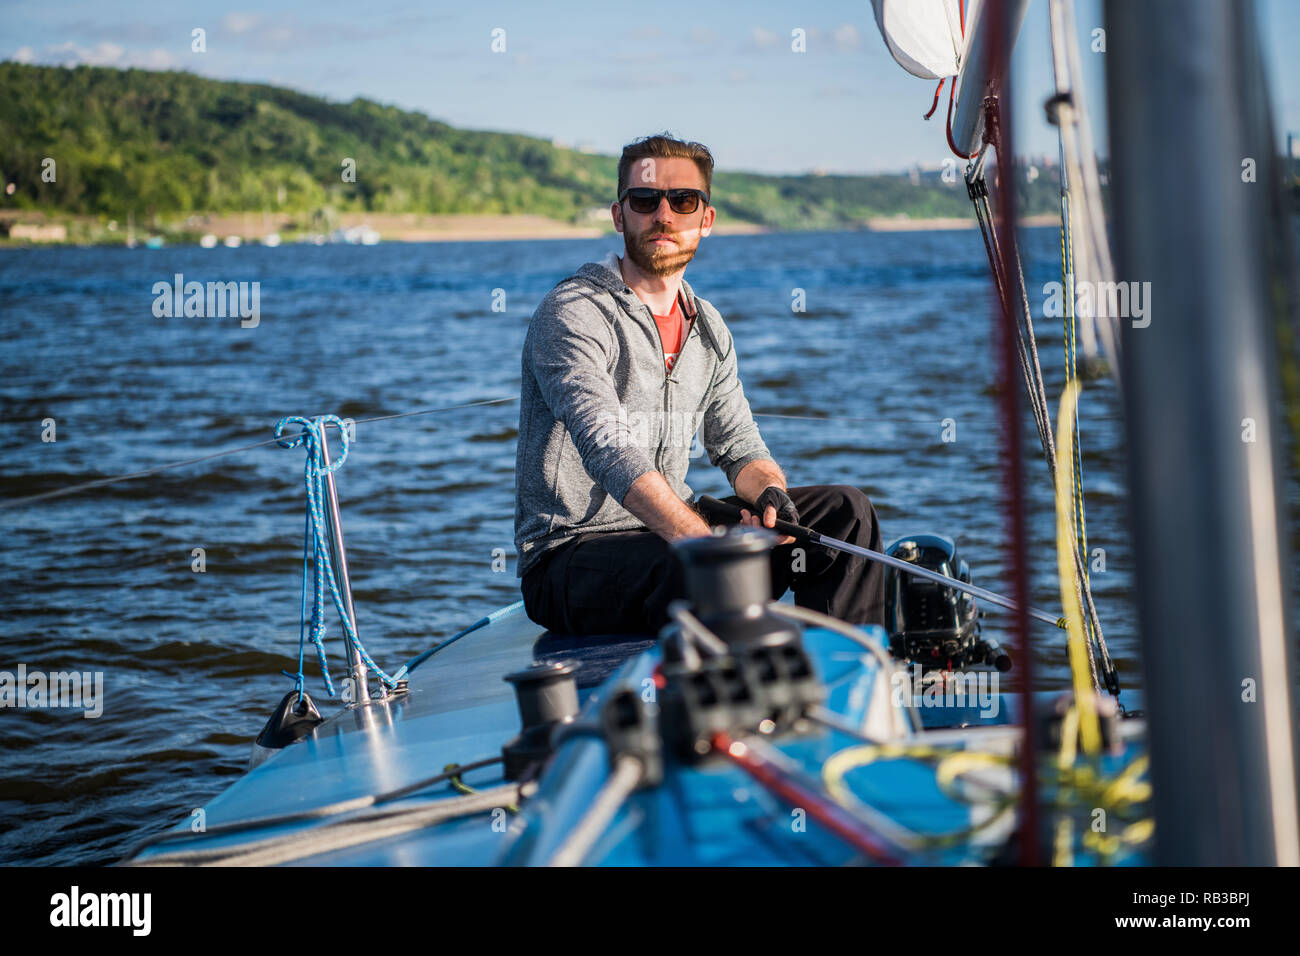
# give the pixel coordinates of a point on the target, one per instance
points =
(924, 36)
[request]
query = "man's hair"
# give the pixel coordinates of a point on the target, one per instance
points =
(663, 146)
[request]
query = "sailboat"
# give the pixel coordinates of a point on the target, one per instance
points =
(750, 732)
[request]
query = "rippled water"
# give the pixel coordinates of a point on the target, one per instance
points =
(896, 338)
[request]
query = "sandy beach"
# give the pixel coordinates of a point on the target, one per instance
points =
(253, 227)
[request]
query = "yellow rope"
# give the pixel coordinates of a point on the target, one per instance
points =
(1076, 641)
(1077, 788)
(1071, 362)
(952, 763)
(1064, 855)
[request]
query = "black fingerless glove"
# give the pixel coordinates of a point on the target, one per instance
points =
(778, 499)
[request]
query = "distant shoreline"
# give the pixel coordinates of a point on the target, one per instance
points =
(22, 229)
(904, 224)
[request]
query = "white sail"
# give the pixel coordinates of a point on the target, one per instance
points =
(924, 36)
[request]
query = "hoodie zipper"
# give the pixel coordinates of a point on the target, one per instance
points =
(681, 300)
(686, 335)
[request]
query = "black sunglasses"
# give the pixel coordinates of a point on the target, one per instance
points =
(680, 201)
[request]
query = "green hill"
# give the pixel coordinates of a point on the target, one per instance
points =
(169, 144)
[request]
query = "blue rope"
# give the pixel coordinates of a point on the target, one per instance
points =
(481, 622)
(301, 678)
(316, 543)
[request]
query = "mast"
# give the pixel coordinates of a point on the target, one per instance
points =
(1188, 108)
(980, 74)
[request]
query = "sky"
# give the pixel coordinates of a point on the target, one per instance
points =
(594, 75)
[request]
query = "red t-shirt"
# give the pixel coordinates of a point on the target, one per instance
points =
(670, 331)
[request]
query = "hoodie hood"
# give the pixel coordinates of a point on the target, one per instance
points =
(606, 275)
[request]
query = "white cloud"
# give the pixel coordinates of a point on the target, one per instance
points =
(703, 36)
(763, 38)
(104, 53)
(155, 59)
(846, 37)
(240, 22)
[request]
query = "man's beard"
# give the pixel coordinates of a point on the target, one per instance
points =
(659, 260)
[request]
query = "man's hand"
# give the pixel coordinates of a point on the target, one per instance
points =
(773, 503)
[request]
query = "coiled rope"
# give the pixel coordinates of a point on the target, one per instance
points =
(317, 542)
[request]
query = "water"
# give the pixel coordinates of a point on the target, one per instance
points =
(896, 338)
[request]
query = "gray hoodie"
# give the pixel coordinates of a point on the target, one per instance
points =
(598, 409)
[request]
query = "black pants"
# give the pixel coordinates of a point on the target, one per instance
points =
(621, 582)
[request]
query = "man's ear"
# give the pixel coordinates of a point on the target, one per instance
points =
(616, 211)
(706, 224)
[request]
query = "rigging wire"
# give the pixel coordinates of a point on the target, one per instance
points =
(1027, 355)
(343, 834)
(98, 482)
(1081, 202)
(1068, 111)
(452, 771)
(185, 462)
(1071, 378)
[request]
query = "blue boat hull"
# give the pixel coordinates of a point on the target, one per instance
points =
(458, 710)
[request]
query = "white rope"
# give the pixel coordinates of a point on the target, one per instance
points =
(339, 835)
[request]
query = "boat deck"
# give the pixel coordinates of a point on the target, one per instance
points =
(459, 710)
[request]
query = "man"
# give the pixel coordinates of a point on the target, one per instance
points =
(621, 362)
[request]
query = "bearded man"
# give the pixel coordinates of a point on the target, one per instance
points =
(621, 363)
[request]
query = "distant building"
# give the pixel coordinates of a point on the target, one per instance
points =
(32, 232)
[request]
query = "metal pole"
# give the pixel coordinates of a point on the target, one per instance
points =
(926, 574)
(341, 569)
(980, 75)
(1188, 118)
